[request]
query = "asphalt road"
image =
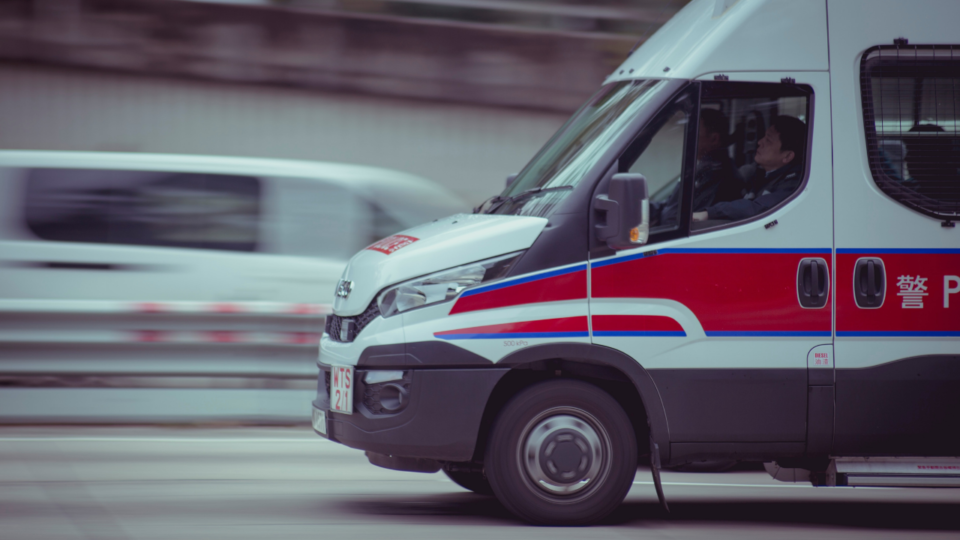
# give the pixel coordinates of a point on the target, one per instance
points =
(238, 483)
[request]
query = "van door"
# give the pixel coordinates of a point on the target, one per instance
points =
(898, 262)
(723, 311)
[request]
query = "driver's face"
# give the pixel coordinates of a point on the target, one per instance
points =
(770, 155)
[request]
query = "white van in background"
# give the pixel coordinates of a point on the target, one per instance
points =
(141, 227)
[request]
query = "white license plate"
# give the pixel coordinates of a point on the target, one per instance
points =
(341, 389)
(320, 421)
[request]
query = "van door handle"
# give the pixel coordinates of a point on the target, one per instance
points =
(813, 283)
(814, 278)
(869, 282)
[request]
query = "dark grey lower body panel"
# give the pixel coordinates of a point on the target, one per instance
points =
(739, 451)
(734, 405)
(910, 407)
(441, 421)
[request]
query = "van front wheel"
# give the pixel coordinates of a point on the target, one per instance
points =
(562, 452)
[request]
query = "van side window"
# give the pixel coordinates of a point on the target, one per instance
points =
(751, 150)
(911, 114)
(143, 208)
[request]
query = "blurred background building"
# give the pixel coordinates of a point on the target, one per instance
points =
(462, 92)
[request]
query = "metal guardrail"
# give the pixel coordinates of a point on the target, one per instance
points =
(147, 307)
(157, 362)
(208, 339)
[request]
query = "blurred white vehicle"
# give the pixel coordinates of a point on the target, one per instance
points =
(140, 227)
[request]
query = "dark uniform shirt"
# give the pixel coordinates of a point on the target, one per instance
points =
(763, 193)
(716, 179)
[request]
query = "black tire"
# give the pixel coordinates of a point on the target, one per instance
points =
(473, 481)
(561, 452)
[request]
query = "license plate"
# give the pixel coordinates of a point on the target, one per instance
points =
(341, 389)
(320, 421)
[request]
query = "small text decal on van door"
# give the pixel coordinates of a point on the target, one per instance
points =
(392, 243)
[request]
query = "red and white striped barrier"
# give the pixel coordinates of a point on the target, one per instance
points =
(173, 307)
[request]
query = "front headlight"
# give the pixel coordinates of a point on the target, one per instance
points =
(444, 285)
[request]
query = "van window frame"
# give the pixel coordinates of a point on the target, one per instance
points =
(687, 100)
(869, 63)
(734, 89)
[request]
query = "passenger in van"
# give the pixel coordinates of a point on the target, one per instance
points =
(930, 163)
(716, 178)
(779, 159)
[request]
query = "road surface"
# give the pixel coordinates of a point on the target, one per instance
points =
(238, 483)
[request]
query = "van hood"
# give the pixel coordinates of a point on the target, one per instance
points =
(435, 246)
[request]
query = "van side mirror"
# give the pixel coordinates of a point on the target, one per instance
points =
(627, 210)
(511, 178)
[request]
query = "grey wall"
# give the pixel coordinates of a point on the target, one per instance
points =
(468, 148)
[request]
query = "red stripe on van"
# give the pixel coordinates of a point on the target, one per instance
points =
(572, 286)
(728, 292)
(892, 316)
(566, 324)
(635, 323)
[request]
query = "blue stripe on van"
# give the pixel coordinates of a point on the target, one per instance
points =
(905, 251)
(898, 334)
(667, 251)
(767, 334)
(640, 333)
(517, 335)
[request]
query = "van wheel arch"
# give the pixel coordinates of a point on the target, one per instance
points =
(613, 371)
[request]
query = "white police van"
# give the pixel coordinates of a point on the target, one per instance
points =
(742, 247)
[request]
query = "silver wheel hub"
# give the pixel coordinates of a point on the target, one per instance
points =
(563, 453)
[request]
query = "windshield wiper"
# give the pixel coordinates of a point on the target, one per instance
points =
(493, 199)
(534, 191)
(499, 201)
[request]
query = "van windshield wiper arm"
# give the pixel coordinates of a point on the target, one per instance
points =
(535, 191)
(498, 202)
(492, 200)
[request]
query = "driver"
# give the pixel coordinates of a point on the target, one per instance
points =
(715, 178)
(779, 157)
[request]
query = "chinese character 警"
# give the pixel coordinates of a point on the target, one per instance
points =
(912, 289)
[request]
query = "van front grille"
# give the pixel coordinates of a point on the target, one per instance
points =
(354, 324)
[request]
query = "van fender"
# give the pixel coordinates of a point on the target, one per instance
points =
(598, 355)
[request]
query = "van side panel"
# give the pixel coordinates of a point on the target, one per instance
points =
(897, 362)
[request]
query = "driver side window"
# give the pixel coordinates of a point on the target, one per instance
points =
(743, 157)
(661, 162)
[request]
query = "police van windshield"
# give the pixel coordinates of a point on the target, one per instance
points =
(574, 149)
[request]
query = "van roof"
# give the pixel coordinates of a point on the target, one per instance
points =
(708, 37)
(340, 173)
(376, 183)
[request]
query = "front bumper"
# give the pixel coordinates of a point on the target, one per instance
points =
(441, 419)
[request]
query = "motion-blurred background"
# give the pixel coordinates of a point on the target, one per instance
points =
(462, 92)
(142, 288)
